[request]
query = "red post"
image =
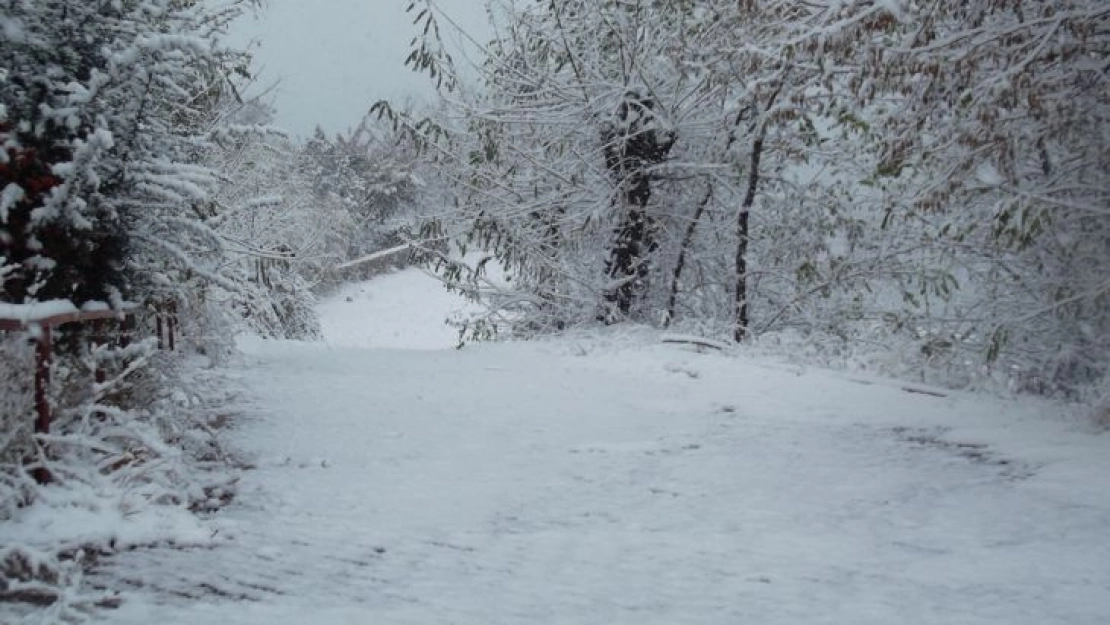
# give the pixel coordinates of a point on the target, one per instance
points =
(43, 357)
(126, 325)
(171, 322)
(100, 339)
(158, 325)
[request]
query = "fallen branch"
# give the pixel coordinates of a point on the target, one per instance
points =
(375, 256)
(698, 341)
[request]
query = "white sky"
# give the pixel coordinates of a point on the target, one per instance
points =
(332, 59)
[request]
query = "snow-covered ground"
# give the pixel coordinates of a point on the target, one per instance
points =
(622, 480)
(400, 310)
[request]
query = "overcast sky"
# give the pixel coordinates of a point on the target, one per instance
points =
(332, 59)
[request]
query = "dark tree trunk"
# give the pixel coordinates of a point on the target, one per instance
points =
(688, 238)
(742, 232)
(680, 264)
(630, 151)
(627, 260)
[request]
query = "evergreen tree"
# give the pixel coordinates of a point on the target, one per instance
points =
(107, 107)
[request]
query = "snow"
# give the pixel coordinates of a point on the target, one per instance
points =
(63, 519)
(988, 174)
(10, 196)
(32, 314)
(93, 306)
(36, 311)
(623, 481)
(405, 309)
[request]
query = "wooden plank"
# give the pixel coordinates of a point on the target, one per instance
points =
(9, 323)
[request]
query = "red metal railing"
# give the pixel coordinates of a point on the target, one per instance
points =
(42, 327)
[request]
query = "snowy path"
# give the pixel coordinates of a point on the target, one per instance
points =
(540, 484)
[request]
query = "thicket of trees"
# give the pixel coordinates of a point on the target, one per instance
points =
(922, 180)
(107, 111)
(288, 213)
(134, 176)
(925, 176)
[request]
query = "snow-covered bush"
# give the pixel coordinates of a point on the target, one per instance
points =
(371, 179)
(287, 215)
(107, 110)
(1000, 148)
(639, 162)
(16, 410)
(928, 179)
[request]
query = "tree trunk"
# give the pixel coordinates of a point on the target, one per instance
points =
(627, 260)
(742, 232)
(680, 264)
(630, 152)
(688, 238)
